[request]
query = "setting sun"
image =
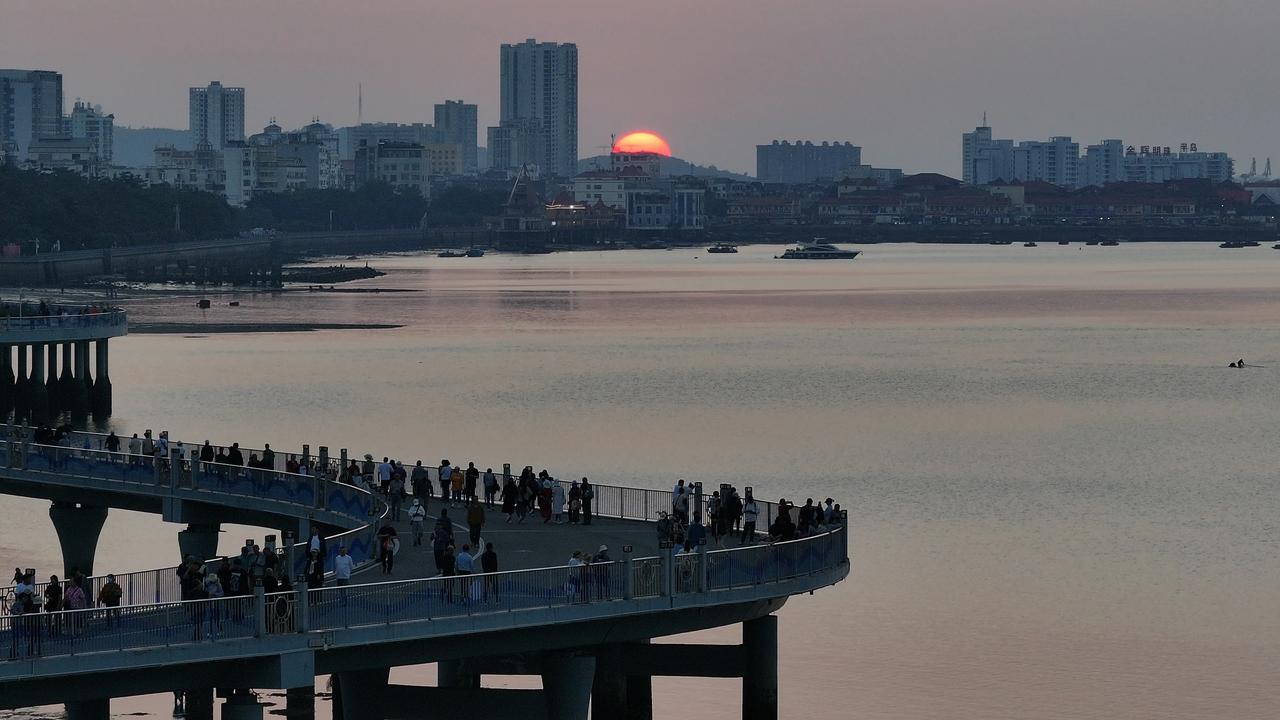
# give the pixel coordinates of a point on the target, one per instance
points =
(642, 142)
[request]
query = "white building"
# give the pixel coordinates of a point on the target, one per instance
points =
(1056, 161)
(198, 169)
(986, 159)
(89, 122)
(78, 155)
(1102, 163)
(30, 107)
(1159, 165)
(599, 185)
(540, 82)
(216, 114)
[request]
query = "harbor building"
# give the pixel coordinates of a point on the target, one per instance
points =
(803, 161)
(216, 114)
(539, 82)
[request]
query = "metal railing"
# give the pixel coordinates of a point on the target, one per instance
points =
(352, 606)
(102, 317)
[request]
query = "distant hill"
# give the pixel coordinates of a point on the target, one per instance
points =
(670, 166)
(134, 147)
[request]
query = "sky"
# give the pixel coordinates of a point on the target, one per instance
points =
(901, 78)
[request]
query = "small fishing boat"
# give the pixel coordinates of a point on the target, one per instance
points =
(475, 252)
(1030, 244)
(450, 254)
(1109, 243)
(722, 248)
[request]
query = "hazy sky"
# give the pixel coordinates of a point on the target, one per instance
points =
(902, 78)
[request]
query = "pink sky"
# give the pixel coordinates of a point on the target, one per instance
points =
(902, 78)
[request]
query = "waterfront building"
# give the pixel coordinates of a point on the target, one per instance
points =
(216, 114)
(986, 159)
(1055, 161)
(802, 161)
(1102, 163)
(1161, 164)
(30, 107)
(539, 82)
(90, 123)
(600, 186)
(399, 164)
(456, 123)
(254, 169)
(197, 169)
(514, 144)
(314, 146)
(446, 159)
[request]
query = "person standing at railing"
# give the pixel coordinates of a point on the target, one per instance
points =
(234, 456)
(444, 476)
(421, 484)
(448, 570)
(73, 599)
(268, 457)
(557, 499)
(109, 596)
(457, 485)
(469, 480)
(575, 502)
(488, 566)
(750, 512)
(680, 505)
(490, 487)
(384, 476)
(53, 604)
(313, 571)
(112, 443)
(588, 498)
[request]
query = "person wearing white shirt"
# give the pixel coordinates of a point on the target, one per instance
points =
(342, 566)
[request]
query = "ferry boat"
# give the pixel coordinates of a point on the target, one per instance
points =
(1030, 244)
(475, 252)
(1109, 243)
(817, 250)
(451, 253)
(722, 248)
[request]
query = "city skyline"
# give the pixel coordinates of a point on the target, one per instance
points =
(900, 86)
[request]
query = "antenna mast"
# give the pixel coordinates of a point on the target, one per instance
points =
(359, 103)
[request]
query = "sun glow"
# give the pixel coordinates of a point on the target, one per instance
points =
(637, 142)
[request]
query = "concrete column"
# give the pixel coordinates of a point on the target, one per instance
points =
(101, 396)
(38, 397)
(760, 681)
(89, 710)
(609, 688)
(300, 702)
(76, 386)
(22, 387)
(241, 705)
(51, 380)
(78, 529)
(453, 674)
(199, 704)
(200, 540)
(6, 380)
(639, 694)
(566, 684)
(362, 692)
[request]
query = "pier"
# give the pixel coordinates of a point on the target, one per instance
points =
(46, 353)
(584, 630)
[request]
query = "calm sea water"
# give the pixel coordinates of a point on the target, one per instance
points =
(1064, 504)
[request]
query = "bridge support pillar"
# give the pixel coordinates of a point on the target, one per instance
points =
(75, 388)
(199, 704)
(22, 386)
(566, 684)
(78, 528)
(38, 395)
(760, 681)
(200, 540)
(89, 710)
(7, 387)
(101, 395)
(300, 703)
(639, 692)
(454, 674)
(241, 705)
(609, 689)
(359, 694)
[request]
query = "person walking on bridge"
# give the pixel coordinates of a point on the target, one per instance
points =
(417, 516)
(475, 520)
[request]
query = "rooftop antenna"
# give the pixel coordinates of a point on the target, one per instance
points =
(984, 118)
(359, 103)
(1267, 173)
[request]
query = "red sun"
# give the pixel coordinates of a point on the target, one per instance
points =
(642, 142)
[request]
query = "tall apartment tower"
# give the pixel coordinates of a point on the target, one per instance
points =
(30, 107)
(456, 123)
(90, 123)
(217, 115)
(986, 159)
(540, 82)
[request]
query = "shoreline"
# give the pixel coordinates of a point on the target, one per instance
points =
(179, 328)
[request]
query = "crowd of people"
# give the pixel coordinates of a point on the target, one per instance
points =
(40, 614)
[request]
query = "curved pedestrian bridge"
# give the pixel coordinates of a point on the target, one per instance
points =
(583, 628)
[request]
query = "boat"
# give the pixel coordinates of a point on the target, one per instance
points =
(475, 252)
(722, 248)
(817, 250)
(1232, 245)
(1064, 242)
(1109, 243)
(451, 253)
(1030, 244)
(1276, 246)
(1000, 242)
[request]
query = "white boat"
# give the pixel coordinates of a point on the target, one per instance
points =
(818, 250)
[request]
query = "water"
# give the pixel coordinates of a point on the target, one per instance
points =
(1064, 504)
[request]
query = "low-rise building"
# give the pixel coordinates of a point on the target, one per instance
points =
(78, 155)
(399, 164)
(600, 186)
(776, 210)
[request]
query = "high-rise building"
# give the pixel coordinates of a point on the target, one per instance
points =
(216, 114)
(456, 123)
(515, 143)
(802, 162)
(90, 123)
(1102, 163)
(30, 107)
(1055, 161)
(986, 160)
(540, 83)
